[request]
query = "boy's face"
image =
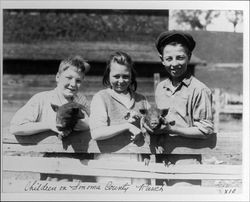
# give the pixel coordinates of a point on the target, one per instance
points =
(69, 81)
(175, 60)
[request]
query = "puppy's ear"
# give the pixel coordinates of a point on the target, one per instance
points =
(54, 107)
(81, 114)
(143, 111)
(160, 56)
(84, 109)
(164, 112)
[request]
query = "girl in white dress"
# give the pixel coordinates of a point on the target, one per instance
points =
(110, 129)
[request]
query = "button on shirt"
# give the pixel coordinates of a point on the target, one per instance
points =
(189, 104)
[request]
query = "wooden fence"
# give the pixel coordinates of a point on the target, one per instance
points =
(22, 155)
(19, 158)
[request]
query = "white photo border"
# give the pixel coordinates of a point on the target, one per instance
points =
(102, 4)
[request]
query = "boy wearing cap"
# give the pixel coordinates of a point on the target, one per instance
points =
(37, 114)
(189, 101)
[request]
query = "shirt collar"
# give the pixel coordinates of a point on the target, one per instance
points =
(114, 95)
(61, 99)
(186, 81)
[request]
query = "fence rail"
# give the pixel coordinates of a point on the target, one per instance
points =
(120, 169)
(215, 146)
(18, 159)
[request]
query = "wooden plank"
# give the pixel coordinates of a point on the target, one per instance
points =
(31, 186)
(232, 109)
(119, 169)
(81, 143)
(156, 80)
(136, 166)
(159, 167)
(77, 148)
(97, 51)
(228, 65)
(217, 109)
(222, 143)
(26, 81)
(77, 142)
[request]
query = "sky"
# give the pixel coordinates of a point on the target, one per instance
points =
(219, 24)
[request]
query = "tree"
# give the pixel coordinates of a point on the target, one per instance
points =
(235, 17)
(196, 19)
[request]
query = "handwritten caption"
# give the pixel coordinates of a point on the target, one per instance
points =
(109, 187)
(47, 186)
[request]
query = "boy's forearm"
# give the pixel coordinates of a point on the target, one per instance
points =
(189, 132)
(29, 128)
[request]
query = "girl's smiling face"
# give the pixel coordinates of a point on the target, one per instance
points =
(175, 60)
(119, 77)
(69, 81)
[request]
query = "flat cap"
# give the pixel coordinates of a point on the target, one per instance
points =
(174, 36)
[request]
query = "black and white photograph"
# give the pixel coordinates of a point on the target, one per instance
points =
(124, 100)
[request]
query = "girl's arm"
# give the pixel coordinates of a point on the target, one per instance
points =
(106, 132)
(98, 122)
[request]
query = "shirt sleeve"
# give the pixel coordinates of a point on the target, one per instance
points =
(28, 113)
(98, 114)
(81, 99)
(202, 112)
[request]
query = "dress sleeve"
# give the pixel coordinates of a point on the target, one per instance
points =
(202, 112)
(28, 113)
(98, 114)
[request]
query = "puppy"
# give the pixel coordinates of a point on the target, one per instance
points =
(67, 116)
(153, 119)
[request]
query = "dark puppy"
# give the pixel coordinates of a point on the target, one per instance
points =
(154, 118)
(67, 116)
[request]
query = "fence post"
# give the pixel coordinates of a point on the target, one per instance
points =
(156, 80)
(217, 109)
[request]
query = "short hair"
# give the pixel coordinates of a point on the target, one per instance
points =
(76, 61)
(121, 58)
